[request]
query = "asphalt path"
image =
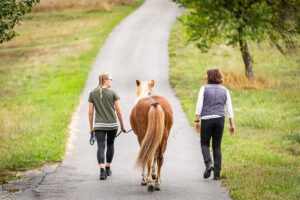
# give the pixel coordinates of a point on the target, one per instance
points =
(136, 49)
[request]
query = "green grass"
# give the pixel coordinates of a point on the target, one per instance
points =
(262, 160)
(42, 73)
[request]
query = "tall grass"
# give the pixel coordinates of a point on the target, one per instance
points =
(262, 160)
(42, 73)
(236, 79)
(102, 5)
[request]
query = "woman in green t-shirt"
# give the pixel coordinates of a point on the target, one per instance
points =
(105, 102)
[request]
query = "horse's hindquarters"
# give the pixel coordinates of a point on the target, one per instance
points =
(151, 119)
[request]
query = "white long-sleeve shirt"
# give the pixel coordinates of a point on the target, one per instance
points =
(199, 106)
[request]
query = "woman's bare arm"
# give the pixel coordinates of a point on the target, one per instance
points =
(91, 116)
(119, 113)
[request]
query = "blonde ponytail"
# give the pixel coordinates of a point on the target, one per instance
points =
(104, 76)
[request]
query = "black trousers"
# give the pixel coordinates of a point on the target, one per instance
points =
(101, 136)
(212, 128)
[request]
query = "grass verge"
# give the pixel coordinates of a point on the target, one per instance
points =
(42, 73)
(262, 160)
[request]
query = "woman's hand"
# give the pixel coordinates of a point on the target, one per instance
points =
(231, 130)
(197, 127)
(123, 129)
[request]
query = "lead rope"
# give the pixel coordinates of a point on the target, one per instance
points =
(93, 138)
(124, 132)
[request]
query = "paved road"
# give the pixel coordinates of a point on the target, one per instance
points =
(136, 49)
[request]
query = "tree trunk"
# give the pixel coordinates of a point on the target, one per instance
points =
(247, 59)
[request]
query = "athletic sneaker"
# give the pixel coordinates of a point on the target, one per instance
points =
(102, 174)
(208, 171)
(217, 176)
(108, 171)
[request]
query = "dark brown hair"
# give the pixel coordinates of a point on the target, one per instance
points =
(214, 76)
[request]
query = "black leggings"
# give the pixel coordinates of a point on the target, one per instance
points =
(101, 135)
(212, 128)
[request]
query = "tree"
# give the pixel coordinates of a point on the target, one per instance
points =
(11, 12)
(238, 21)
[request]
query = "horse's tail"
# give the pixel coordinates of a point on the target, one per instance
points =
(153, 135)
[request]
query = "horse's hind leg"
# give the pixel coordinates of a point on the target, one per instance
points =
(144, 178)
(154, 166)
(149, 179)
(160, 161)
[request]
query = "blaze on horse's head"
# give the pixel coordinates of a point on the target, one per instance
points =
(144, 89)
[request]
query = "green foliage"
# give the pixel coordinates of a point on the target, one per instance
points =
(231, 21)
(11, 12)
(262, 159)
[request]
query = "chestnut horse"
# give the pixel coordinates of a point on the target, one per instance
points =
(151, 120)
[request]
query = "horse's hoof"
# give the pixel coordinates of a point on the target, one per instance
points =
(150, 188)
(142, 183)
(153, 176)
(157, 188)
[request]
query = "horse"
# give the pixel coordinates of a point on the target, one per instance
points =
(151, 120)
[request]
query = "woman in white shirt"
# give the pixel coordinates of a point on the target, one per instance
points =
(210, 107)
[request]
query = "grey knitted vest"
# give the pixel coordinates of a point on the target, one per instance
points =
(214, 100)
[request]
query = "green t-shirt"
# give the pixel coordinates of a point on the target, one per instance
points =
(105, 117)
